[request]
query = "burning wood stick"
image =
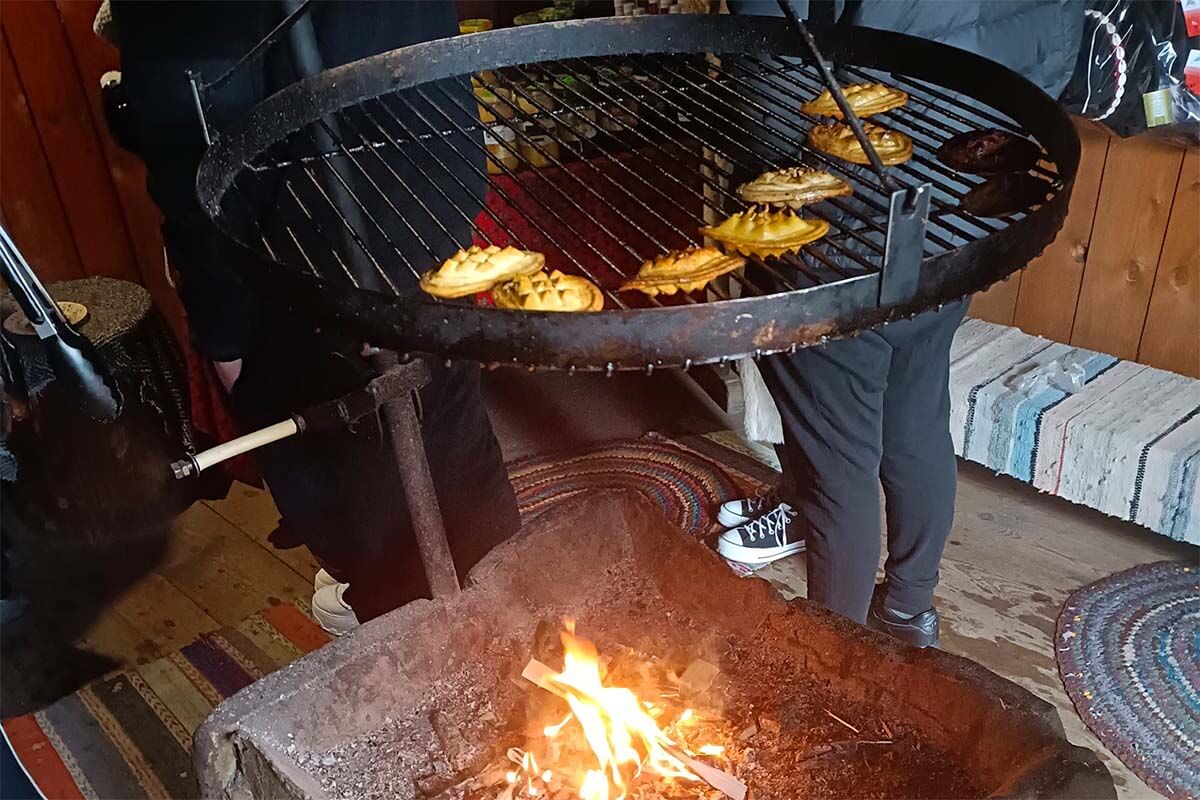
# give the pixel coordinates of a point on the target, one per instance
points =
(541, 675)
(839, 719)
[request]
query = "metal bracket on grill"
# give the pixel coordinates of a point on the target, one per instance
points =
(908, 212)
(200, 88)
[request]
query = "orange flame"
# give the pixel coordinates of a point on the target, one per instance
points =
(623, 736)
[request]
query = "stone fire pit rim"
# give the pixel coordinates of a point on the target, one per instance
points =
(219, 742)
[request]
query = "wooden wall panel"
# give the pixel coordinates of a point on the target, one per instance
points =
(999, 302)
(59, 106)
(93, 57)
(1171, 338)
(1131, 221)
(32, 211)
(1050, 285)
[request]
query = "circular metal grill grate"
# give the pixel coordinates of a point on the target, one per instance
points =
(603, 144)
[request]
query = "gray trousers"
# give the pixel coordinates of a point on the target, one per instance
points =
(858, 412)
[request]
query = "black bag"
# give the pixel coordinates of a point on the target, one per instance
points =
(1130, 71)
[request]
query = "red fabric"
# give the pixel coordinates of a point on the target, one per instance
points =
(608, 223)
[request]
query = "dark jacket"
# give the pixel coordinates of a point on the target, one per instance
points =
(159, 43)
(1037, 38)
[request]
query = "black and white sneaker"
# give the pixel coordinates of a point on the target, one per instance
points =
(739, 512)
(768, 538)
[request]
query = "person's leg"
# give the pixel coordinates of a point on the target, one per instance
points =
(918, 470)
(340, 491)
(830, 400)
(477, 503)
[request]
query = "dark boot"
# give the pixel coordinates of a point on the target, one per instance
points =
(919, 631)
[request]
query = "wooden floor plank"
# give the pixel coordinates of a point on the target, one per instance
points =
(1013, 558)
(162, 613)
(115, 637)
(224, 572)
(254, 513)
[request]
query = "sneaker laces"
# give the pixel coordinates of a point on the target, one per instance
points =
(764, 496)
(773, 523)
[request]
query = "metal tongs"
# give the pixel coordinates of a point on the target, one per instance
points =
(72, 356)
(908, 206)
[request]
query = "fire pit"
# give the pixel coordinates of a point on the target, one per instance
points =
(428, 701)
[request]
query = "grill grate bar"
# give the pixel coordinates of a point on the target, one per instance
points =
(636, 176)
(336, 135)
(320, 232)
(570, 200)
(419, 141)
(985, 120)
(735, 116)
(715, 185)
(494, 187)
(602, 162)
(306, 170)
(790, 159)
(695, 118)
(235, 191)
(639, 153)
(345, 119)
(812, 83)
(591, 164)
(937, 168)
(503, 194)
(342, 115)
(743, 130)
(529, 166)
(929, 94)
(755, 167)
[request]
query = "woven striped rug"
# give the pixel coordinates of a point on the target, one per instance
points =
(129, 736)
(1129, 657)
(1127, 443)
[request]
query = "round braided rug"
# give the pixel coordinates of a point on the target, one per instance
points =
(1129, 656)
(687, 481)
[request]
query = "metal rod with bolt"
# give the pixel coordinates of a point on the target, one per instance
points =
(404, 429)
(391, 394)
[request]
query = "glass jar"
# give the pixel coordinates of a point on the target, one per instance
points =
(498, 139)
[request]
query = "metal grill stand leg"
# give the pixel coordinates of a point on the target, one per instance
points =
(400, 417)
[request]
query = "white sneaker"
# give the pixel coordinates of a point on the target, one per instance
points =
(322, 580)
(739, 512)
(766, 539)
(332, 612)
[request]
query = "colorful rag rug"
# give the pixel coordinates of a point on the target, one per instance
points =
(1127, 442)
(130, 735)
(1129, 657)
(687, 478)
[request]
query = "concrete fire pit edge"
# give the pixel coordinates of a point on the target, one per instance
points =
(956, 700)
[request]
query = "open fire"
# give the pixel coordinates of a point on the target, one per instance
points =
(430, 703)
(610, 738)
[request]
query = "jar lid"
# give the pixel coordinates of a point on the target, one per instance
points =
(475, 25)
(500, 133)
(19, 325)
